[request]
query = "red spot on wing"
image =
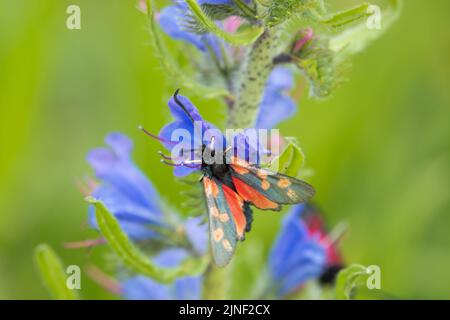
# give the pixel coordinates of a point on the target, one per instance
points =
(211, 188)
(235, 161)
(251, 195)
(235, 203)
(239, 169)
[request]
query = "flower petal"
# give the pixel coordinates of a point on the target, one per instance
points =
(197, 234)
(281, 78)
(276, 106)
(170, 258)
(120, 144)
(182, 171)
(124, 208)
(188, 288)
(293, 232)
(296, 257)
(172, 20)
(191, 135)
(186, 135)
(115, 168)
(310, 266)
(142, 288)
(134, 230)
(180, 114)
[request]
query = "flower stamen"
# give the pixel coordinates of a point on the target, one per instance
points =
(156, 137)
(181, 164)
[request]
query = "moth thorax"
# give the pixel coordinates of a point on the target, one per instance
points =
(212, 157)
(219, 170)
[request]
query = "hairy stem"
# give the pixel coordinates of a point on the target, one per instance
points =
(215, 283)
(256, 71)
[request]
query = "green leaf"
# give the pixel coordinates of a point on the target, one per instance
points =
(323, 59)
(172, 69)
(222, 11)
(246, 10)
(357, 38)
(365, 293)
(342, 18)
(53, 273)
(280, 11)
(133, 257)
(290, 161)
(219, 11)
(244, 37)
(349, 279)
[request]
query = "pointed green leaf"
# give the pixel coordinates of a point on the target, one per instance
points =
(281, 11)
(348, 279)
(245, 37)
(219, 11)
(290, 161)
(357, 38)
(53, 273)
(342, 18)
(246, 10)
(133, 257)
(172, 69)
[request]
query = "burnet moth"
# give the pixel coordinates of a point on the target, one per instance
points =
(231, 187)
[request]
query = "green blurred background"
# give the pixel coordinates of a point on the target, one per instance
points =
(379, 148)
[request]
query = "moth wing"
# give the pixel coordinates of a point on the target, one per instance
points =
(266, 189)
(227, 221)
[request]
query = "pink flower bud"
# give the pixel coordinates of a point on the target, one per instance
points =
(306, 36)
(231, 24)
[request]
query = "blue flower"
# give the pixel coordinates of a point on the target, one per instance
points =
(296, 257)
(124, 189)
(174, 20)
(185, 136)
(130, 196)
(197, 234)
(191, 127)
(277, 105)
(317, 228)
(185, 119)
(142, 288)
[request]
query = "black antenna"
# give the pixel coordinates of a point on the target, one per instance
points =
(178, 102)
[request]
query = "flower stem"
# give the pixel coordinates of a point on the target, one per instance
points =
(215, 283)
(256, 71)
